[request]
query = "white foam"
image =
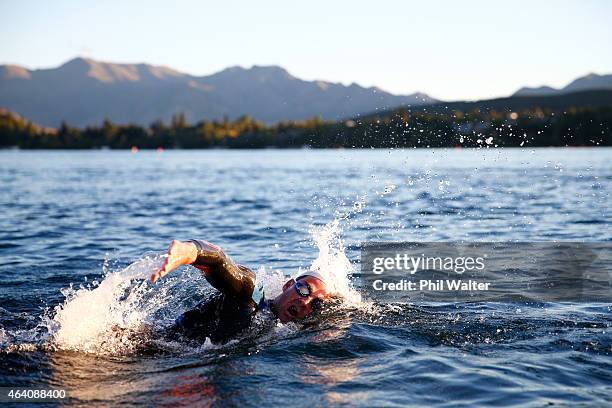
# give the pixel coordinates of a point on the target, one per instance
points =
(104, 318)
(332, 261)
(272, 279)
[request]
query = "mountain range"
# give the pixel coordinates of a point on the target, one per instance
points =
(586, 83)
(85, 92)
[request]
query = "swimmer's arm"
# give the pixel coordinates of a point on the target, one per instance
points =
(222, 273)
(218, 269)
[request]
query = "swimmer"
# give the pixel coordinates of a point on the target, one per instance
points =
(240, 295)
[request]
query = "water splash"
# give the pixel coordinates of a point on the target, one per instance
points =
(332, 261)
(272, 279)
(107, 317)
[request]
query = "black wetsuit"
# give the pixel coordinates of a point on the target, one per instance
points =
(228, 312)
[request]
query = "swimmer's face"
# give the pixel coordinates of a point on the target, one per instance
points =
(290, 305)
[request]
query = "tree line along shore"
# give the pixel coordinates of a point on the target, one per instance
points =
(401, 128)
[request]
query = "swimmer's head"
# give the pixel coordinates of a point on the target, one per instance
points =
(301, 297)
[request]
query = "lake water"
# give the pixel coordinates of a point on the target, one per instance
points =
(72, 317)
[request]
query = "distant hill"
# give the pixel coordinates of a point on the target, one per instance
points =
(582, 99)
(8, 116)
(85, 92)
(588, 82)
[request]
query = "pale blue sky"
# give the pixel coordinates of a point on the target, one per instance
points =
(448, 49)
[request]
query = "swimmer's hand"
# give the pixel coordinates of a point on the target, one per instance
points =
(179, 253)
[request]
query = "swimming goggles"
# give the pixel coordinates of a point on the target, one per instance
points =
(302, 288)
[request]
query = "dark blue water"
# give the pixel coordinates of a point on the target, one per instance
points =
(79, 218)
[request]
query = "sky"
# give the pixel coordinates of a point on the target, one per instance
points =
(451, 50)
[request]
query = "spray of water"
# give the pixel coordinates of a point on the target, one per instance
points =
(107, 317)
(332, 261)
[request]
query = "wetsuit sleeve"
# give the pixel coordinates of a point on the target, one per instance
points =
(222, 273)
